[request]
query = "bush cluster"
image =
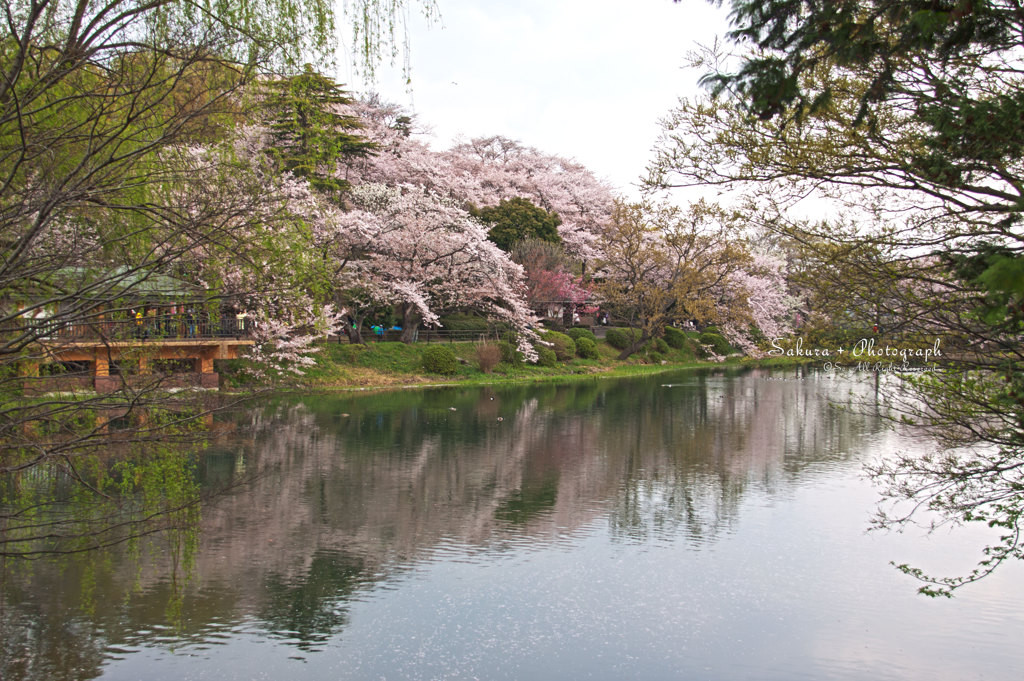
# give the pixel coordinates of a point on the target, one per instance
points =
(578, 332)
(562, 345)
(674, 337)
(546, 357)
(440, 359)
(717, 342)
(660, 345)
(621, 338)
(510, 353)
(586, 348)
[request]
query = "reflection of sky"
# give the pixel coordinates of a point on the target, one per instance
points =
(746, 556)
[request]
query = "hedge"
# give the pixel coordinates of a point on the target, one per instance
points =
(510, 353)
(546, 357)
(717, 343)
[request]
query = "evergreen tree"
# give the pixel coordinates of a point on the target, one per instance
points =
(310, 129)
(517, 219)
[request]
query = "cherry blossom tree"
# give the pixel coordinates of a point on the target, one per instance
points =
(483, 172)
(488, 170)
(429, 255)
(756, 300)
(550, 281)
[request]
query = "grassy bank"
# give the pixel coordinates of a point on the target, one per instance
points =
(343, 366)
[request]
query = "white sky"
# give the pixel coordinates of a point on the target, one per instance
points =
(585, 79)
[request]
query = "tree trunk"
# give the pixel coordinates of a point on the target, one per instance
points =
(354, 335)
(410, 323)
(353, 329)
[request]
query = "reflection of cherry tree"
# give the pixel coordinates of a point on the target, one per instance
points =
(348, 491)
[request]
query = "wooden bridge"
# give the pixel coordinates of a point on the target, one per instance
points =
(102, 355)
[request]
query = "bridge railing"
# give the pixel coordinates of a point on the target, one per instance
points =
(150, 327)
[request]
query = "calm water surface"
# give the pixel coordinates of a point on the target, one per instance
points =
(687, 526)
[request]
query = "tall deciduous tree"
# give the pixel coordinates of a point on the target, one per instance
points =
(107, 111)
(549, 277)
(490, 169)
(665, 265)
(908, 113)
(426, 255)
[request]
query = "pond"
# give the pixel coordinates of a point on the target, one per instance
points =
(682, 526)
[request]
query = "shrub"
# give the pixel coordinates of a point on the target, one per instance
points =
(487, 356)
(655, 357)
(711, 329)
(674, 337)
(578, 332)
(586, 348)
(440, 359)
(464, 323)
(564, 347)
(661, 345)
(621, 338)
(510, 353)
(717, 343)
(546, 357)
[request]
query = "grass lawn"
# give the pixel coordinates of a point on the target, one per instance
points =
(387, 364)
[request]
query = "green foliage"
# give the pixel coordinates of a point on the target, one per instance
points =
(999, 272)
(798, 37)
(586, 348)
(621, 338)
(440, 359)
(718, 344)
(465, 323)
(510, 353)
(546, 357)
(310, 135)
(563, 346)
(578, 332)
(674, 337)
(655, 357)
(661, 345)
(517, 219)
(690, 350)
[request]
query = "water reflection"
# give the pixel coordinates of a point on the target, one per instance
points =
(349, 493)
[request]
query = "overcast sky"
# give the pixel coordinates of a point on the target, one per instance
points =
(586, 79)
